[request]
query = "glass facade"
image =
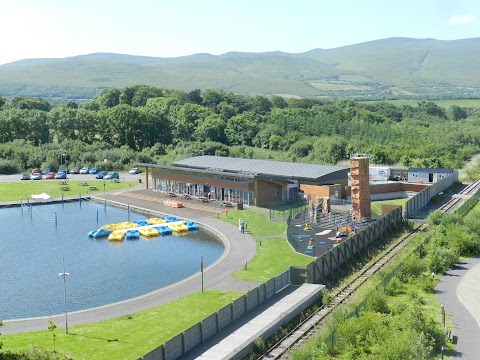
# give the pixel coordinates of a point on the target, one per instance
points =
(195, 189)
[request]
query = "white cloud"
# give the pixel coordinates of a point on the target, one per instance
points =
(461, 20)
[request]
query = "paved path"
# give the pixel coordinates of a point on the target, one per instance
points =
(459, 292)
(239, 248)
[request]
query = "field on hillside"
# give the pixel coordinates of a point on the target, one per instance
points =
(466, 103)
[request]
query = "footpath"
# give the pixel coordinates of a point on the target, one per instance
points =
(459, 292)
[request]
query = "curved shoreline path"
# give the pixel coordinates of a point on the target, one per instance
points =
(459, 292)
(240, 248)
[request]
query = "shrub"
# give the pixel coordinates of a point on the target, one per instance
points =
(394, 287)
(8, 167)
(378, 302)
(413, 268)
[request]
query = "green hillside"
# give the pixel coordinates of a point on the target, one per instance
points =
(388, 68)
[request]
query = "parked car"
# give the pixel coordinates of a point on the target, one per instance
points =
(101, 174)
(135, 171)
(75, 170)
(94, 171)
(111, 176)
(84, 170)
(61, 175)
(65, 170)
(45, 171)
(36, 170)
(25, 176)
(37, 176)
(50, 175)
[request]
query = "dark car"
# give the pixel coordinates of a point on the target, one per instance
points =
(111, 176)
(61, 175)
(101, 174)
(75, 170)
(94, 171)
(46, 171)
(25, 176)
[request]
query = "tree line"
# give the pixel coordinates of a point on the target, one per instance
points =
(145, 123)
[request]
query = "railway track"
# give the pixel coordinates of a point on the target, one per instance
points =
(308, 326)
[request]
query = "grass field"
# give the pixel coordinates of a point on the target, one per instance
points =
(14, 191)
(376, 206)
(135, 334)
(127, 337)
(466, 103)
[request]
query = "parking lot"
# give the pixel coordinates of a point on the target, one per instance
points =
(124, 176)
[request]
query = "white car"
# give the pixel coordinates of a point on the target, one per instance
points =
(135, 171)
(84, 170)
(37, 176)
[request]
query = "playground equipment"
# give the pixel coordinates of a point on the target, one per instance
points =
(344, 230)
(307, 226)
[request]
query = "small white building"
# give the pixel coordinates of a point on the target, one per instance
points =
(379, 173)
(427, 175)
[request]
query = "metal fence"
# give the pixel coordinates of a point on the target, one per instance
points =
(468, 204)
(413, 205)
(181, 344)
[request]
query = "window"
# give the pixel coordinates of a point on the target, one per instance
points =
(414, 175)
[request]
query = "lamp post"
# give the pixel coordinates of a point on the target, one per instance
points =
(64, 275)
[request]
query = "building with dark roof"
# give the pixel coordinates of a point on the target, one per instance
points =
(427, 175)
(248, 181)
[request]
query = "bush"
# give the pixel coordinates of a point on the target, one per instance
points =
(394, 287)
(440, 259)
(413, 268)
(8, 167)
(32, 353)
(378, 302)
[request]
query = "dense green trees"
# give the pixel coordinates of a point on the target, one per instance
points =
(145, 118)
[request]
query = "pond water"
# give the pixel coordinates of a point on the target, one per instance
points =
(32, 247)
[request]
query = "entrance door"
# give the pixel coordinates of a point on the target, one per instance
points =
(430, 177)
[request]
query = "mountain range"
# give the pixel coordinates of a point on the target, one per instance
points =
(381, 69)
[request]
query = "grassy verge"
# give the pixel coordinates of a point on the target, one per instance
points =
(14, 191)
(126, 337)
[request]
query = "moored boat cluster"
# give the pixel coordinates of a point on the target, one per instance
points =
(147, 228)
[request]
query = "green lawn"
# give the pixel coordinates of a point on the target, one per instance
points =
(274, 255)
(376, 206)
(126, 337)
(14, 191)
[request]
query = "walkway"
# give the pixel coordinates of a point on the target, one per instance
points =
(239, 247)
(459, 293)
(236, 340)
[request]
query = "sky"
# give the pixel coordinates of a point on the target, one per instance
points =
(161, 28)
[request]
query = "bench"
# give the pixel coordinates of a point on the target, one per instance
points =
(172, 194)
(186, 196)
(83, 183)
(116, 180)
(64, 188)
(226, 204)
(92, 188)
(202, 199)
(63, 182)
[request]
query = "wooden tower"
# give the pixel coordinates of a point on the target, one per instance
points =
(360, 189)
